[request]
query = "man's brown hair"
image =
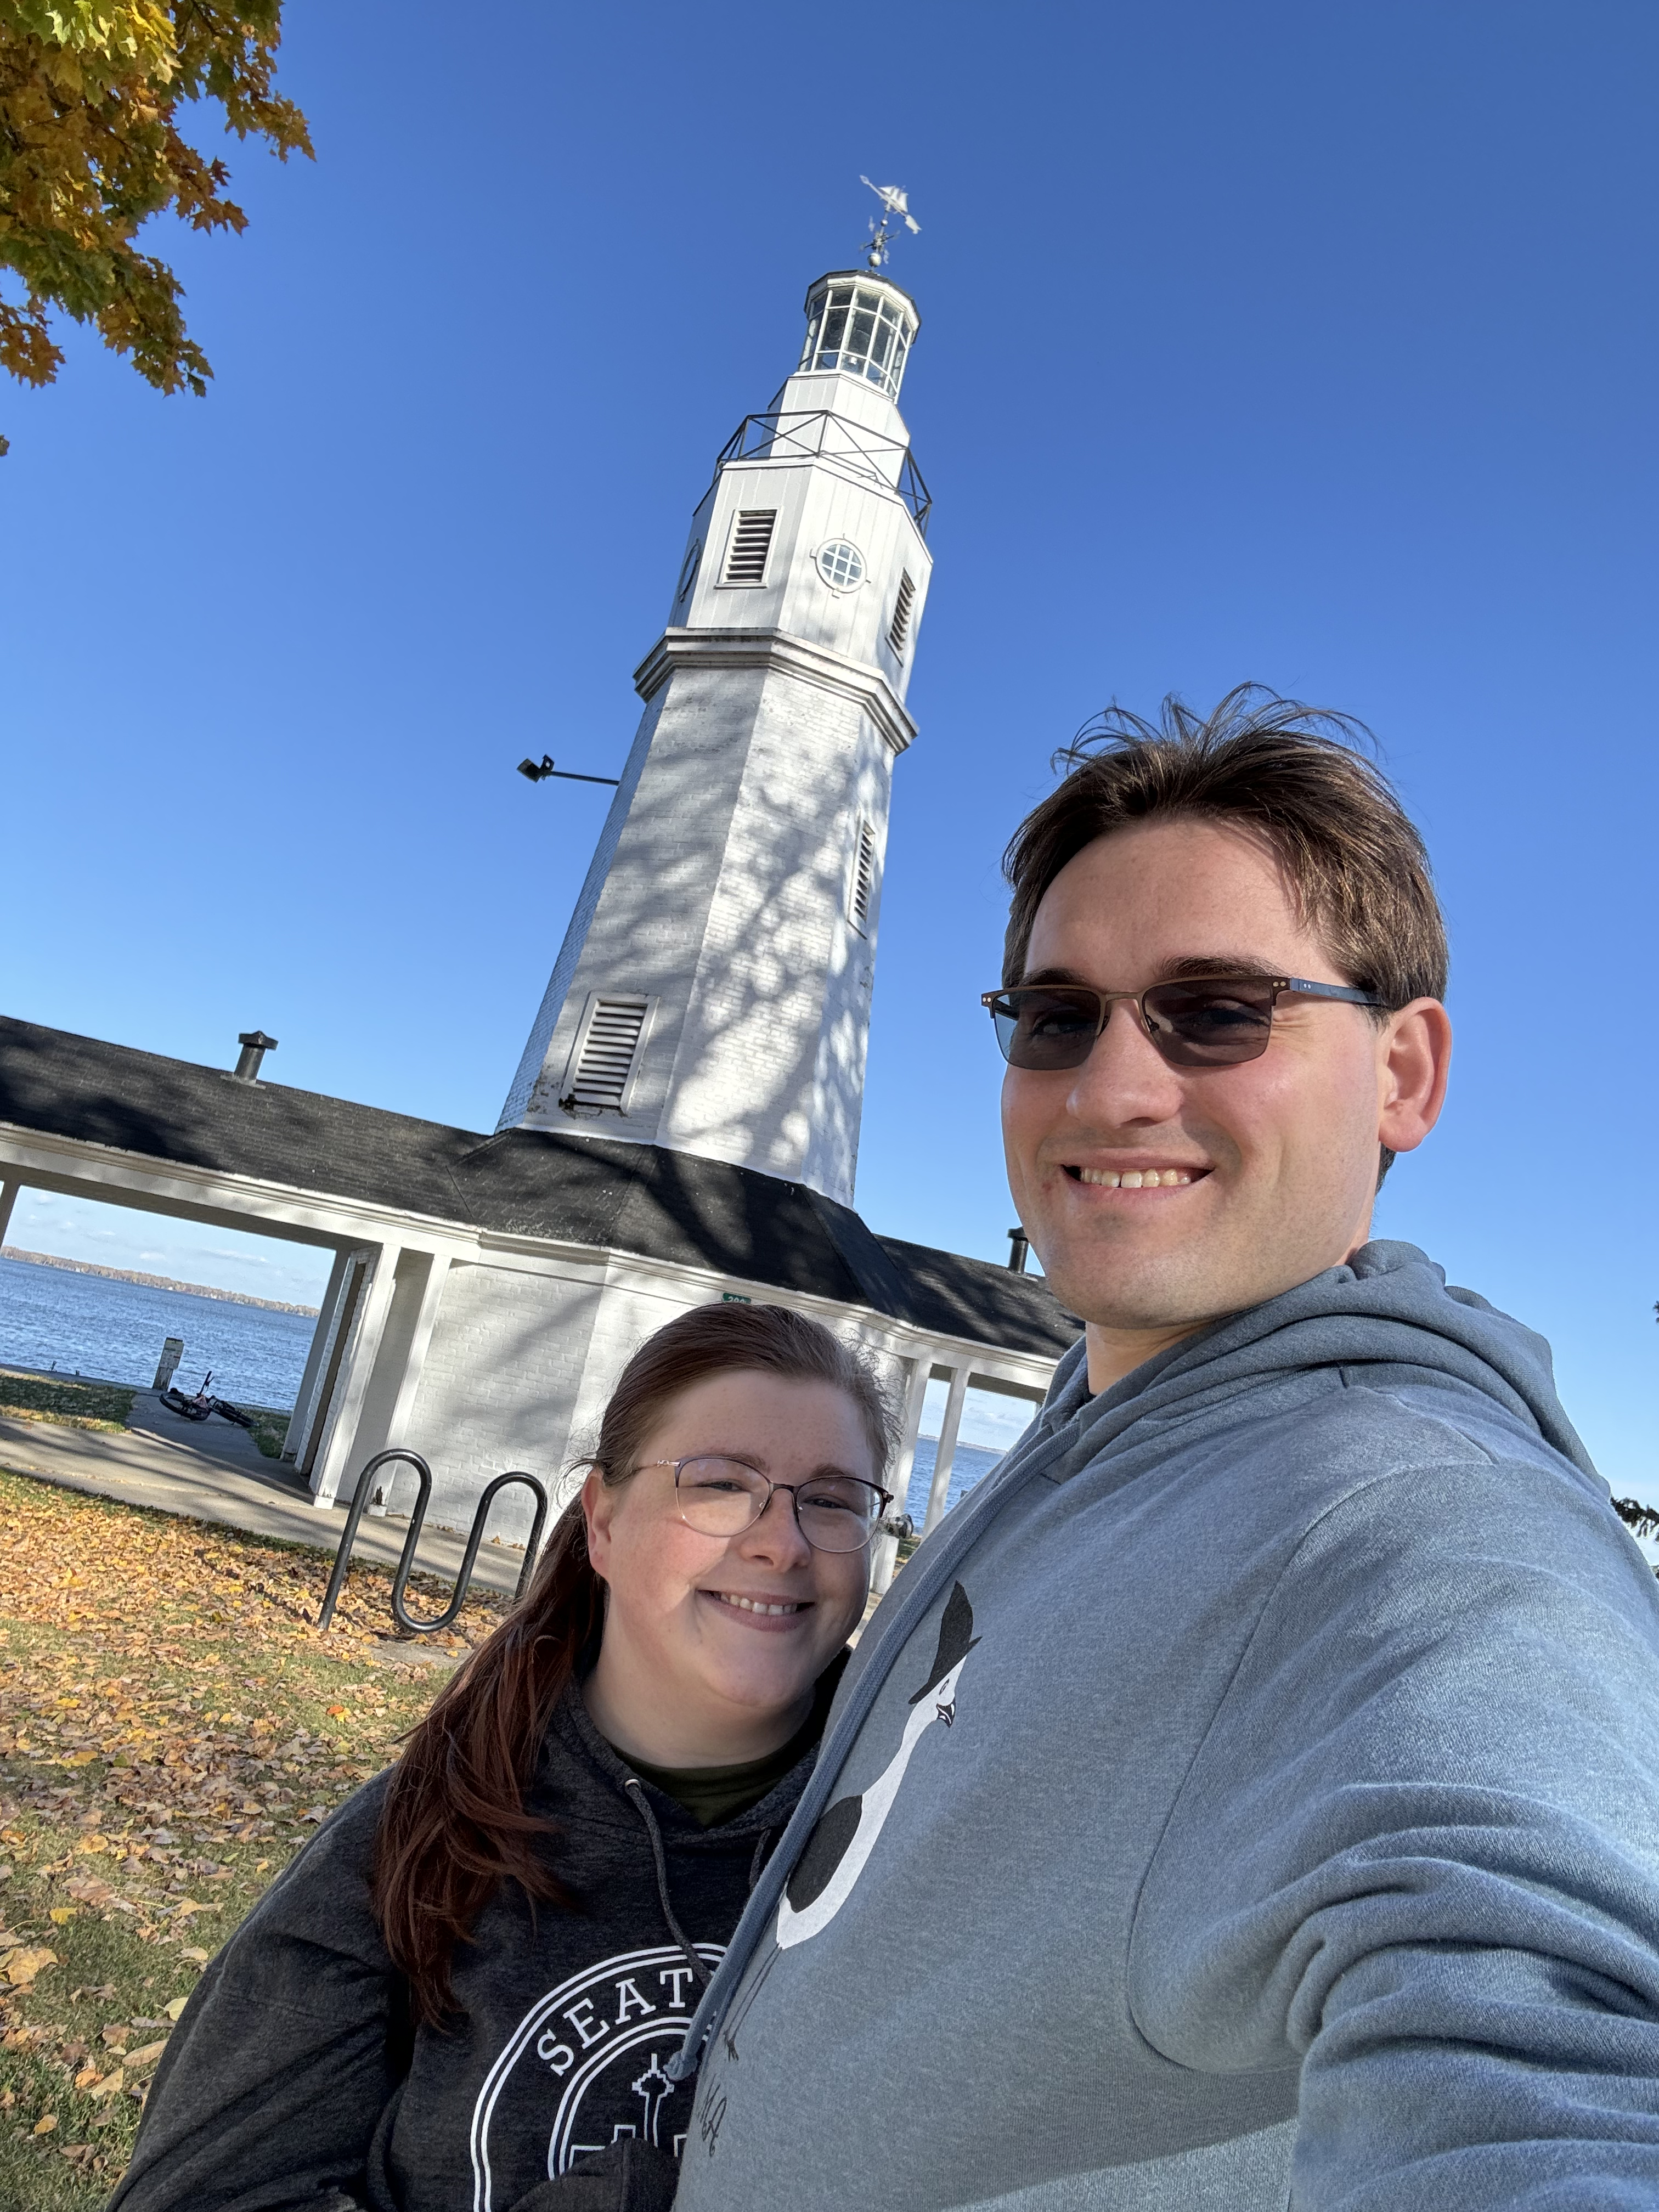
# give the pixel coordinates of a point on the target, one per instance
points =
(1293, 775)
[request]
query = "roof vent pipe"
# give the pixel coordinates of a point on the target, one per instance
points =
(1018, 1245)
(255, 1045)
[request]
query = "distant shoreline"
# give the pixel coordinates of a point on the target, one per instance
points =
(153, 1282)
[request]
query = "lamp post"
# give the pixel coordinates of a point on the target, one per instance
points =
(539, 771)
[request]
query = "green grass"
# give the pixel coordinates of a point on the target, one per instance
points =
(269, 1430)
(64, 1400)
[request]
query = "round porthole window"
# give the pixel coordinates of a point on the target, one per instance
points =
(841, 565)
(689, 570)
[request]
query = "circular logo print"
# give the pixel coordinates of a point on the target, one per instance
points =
(588, 2064)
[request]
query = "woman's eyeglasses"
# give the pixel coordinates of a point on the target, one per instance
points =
(1204, 1021)
(719, 1497)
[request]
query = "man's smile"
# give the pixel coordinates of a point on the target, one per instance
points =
(1149, 1175)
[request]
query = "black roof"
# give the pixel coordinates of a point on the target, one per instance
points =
(575, 1189)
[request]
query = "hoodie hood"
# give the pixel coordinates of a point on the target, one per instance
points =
(1387, 1313)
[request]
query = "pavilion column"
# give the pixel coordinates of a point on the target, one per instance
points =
(9, 1191)
(885, 1557)
(311, 1382)
(947, 1450)
(349, 1397)
(432, 1291)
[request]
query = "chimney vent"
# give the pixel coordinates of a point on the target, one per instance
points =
(255, 1045)
(1018, 1245)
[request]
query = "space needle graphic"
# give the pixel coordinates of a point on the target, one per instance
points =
(652, 2086)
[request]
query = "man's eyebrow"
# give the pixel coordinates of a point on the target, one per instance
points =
(1056, 975)
(1171, 971)
(1215, 964)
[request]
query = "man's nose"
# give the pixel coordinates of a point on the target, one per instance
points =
(1125, 1077)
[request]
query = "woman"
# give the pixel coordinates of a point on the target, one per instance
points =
(462, 1995)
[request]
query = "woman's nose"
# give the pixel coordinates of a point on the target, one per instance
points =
(775, 1533)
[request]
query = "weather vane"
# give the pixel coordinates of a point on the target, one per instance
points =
(895, 204)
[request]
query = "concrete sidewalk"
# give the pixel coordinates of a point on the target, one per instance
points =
(212, 1471)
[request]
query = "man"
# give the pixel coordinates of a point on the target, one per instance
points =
(1251, 1795)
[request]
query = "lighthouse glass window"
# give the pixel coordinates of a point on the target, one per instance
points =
(862, 330)
(841, 565)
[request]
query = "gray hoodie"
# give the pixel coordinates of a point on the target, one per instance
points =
(1249, 1796)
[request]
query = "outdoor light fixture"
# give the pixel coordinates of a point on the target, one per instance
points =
(539, 771)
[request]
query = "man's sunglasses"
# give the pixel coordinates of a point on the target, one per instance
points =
(1204, 1021)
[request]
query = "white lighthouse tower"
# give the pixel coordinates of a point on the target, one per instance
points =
(713, 991)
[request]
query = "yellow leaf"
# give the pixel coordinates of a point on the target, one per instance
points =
(175, 2007)
(44, 2127)
(21, 1965)
(61, 1915)
(86, 2077)
(149, 2055)
(201, 1957)
(109, 2085)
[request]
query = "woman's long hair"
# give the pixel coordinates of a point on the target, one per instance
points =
(454, 1824)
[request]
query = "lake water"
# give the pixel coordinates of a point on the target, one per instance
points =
(971, 1465)
(115, 1331)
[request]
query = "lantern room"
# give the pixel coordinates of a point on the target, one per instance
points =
(862, 326)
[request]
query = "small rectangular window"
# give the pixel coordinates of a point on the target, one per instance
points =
(605, 1057)
(861, 889)
(899, 629)
(752, 541)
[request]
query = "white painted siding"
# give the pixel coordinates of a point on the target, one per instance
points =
(499, 1388)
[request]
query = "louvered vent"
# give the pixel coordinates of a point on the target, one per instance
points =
(607, 1053)
(864, 878)
(752, 541)
(899, 630)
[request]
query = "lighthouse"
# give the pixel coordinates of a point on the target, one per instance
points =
(684, 1125)
(712, 995)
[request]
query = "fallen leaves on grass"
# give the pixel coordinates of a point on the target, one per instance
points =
(172, 1728)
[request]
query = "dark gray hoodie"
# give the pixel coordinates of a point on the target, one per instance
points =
(295, 2078)
(1249, 1797)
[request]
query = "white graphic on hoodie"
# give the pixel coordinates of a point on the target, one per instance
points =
(837, 1851)
(825, 1875)
(622, 2016)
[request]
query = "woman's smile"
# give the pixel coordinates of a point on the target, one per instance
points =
(760, 1612)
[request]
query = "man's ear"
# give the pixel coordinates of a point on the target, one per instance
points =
(598, 1505)
(1413, 1061)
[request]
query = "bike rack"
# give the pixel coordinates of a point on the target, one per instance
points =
(406, 1562)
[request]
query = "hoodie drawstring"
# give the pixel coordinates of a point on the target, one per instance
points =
(635, 1790)
(759, 1859)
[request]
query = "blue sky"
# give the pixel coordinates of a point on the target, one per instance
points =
(1306, 343)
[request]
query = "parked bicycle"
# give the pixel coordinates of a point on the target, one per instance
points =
(202, 1403)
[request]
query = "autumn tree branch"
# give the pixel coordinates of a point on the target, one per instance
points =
(91, 148)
